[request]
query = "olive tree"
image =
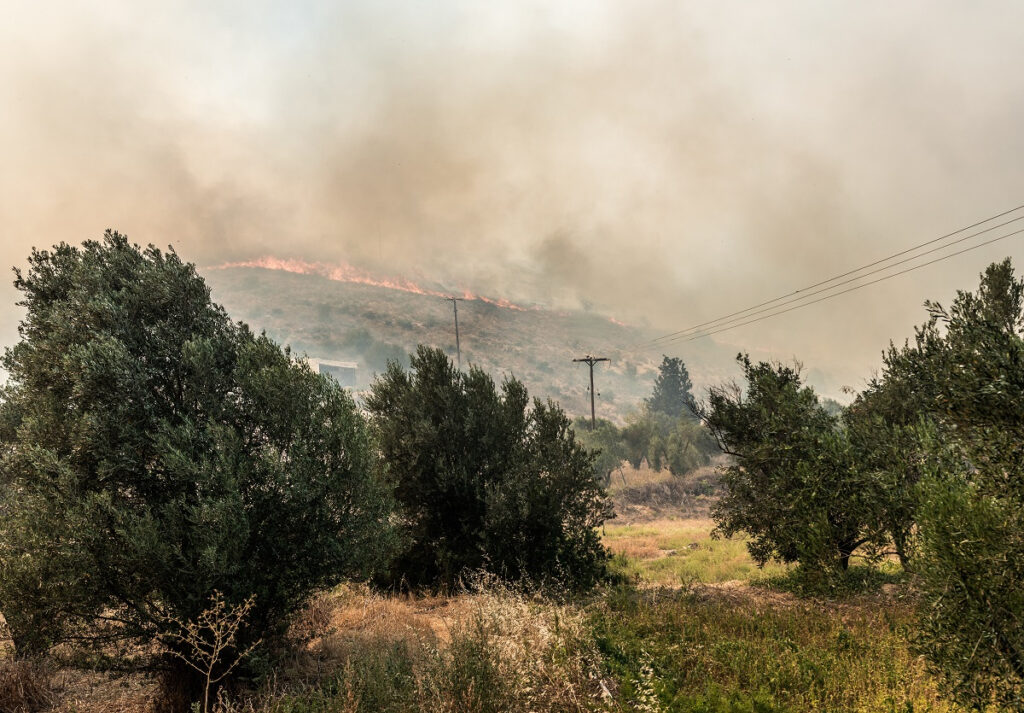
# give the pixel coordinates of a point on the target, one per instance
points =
(793, 485)
(485, 480)
(152, 452)
(971, 514)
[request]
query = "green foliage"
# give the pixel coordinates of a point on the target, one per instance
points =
(941, 432)
(972, 566)
(893, 430)
(484, 480)
(971, 516)
(794, 486)
(677, 445)
(153, 452)
(672, 389)
(605, 441)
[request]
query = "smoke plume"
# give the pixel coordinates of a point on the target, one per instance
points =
(660, 161)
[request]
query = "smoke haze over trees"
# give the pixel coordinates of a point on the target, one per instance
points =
(717, 152)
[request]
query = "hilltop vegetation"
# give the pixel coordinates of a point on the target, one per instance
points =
(369, 325)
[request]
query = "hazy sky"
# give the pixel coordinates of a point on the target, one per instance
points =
(667, 161)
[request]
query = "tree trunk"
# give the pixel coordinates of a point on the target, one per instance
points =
(180, 687)
(846, 549)
(899, 541)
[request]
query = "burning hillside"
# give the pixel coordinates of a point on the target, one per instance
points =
(343, 272)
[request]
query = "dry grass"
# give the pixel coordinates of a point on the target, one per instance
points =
(491, 650)
(643, 494)
(488, 649)
(94, 692)
(25, 686)
(627, 477)
(6, 644)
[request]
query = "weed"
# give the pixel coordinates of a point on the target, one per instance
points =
(25, 685)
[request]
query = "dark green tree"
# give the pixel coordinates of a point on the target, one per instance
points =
(890, 425)
(793, 485)
(970, 560)
(672, 389)
(605, 440)
(484, 480)
(678, 445)
(939, 435)
(153, 452)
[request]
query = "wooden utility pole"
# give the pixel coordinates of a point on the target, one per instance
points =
(458, 347)
(590, 361)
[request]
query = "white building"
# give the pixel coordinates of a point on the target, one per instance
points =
(344, 372)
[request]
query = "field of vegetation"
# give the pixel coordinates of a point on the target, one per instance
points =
(696, 626)
(191, 519)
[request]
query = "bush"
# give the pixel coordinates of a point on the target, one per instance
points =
(484, 481)
(153, 452)
(941, 432)
(606, 442)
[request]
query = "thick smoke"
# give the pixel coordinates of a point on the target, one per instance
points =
(657, 161)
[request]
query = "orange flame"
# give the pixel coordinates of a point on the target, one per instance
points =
(344, 272)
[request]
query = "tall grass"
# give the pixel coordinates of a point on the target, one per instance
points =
(741, 650)
(25, 685)
(744, 641)
(500, 651)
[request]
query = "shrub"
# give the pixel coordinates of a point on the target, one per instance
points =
(153, 452)
(484, 480)
(941, 431)
(605, 441)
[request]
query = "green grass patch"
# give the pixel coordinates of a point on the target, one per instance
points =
(859, 579)
(733, 650)
(682, 551)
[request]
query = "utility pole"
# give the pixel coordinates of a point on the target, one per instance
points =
(458, 347)
(590, 361)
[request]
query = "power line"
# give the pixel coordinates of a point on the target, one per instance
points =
(851, 289)
(804, 294)
(743, 313)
